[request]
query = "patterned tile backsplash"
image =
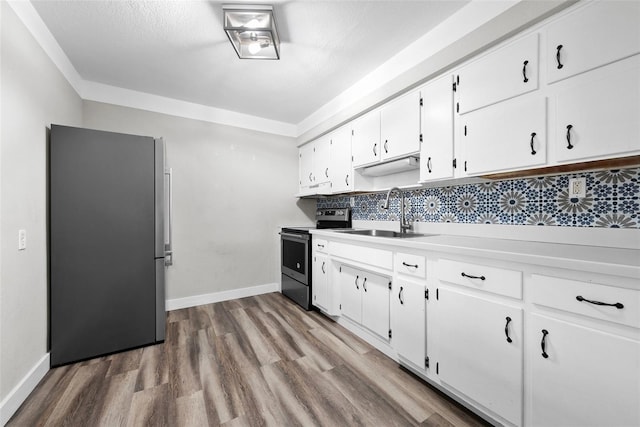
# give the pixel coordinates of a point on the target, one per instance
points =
(612, 200)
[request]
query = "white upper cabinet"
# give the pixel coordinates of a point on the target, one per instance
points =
(594, 35)
(305, 164)
(507, 136)
(321, 160)
(502, 74)
(365, 144)
(400, 126)
(436, 154)
(341, 169)
(598, 113)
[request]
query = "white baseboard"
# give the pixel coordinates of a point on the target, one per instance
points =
(177, 303)
(20, 392)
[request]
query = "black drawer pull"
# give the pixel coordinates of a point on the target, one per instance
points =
(617, 305)
(409, 265)
(543, 343)
(320, 246)
(558, 56)
(569, 145)
(533, 151)
(400, 296)
(506, 329)
(524, 71)
(473, 277)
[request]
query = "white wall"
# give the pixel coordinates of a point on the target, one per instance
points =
(34, 95)
(232, 191)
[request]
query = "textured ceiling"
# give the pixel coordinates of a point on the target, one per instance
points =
(178, 49)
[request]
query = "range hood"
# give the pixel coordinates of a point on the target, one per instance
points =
(394, 166)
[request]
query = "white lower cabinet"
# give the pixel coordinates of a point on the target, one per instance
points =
(582, 376)
(365, 299)
(320, 281)
(480, 351)
(408, 312)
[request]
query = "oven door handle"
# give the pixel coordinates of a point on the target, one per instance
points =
(294, 236)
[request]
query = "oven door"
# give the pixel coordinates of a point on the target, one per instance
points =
(295, 258)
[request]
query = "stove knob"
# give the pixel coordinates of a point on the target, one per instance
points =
(319, 213)
(340, 213)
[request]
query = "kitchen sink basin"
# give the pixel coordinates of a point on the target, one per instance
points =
(383, 233)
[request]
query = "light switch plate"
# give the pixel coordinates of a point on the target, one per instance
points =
(577, 187)
(22, 240)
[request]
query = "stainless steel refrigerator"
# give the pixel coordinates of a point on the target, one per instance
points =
(107, 243)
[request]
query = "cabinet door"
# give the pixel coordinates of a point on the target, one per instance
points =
(599, 118)
(375, 303)
(590, 378)
(509, 71)
(505, 136)
(366, 139)
(400, 126)
(474, 354)
(409, 321)
(320, 281)
(350, 294)
(341, 171)
(321, 159)
(306, 165)
(436, 154)
(592, 36)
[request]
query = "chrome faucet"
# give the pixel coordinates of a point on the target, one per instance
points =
(404, 226)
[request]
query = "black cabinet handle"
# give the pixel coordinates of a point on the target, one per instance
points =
(346, 179)
(409, 265)
(400, 296)
(473, 277)
(326, 172)
(569, 146)
(617, 305)
(543, 343)
(429, 164)
(374, 149)
(558, 56)
(533, 151)
(320, 246)
(357, 287)
(386, 146)
(524, 71)
(364, 284)
(323, 272)
(310, 176)
(506, 329)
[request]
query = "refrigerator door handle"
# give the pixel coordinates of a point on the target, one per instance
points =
(168, 245)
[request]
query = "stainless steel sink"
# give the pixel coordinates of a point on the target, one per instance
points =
(383, 233)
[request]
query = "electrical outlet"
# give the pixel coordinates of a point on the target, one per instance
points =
(22, 240)
(577, 187)
(352, 202)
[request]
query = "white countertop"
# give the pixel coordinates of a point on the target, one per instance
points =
(604, 260)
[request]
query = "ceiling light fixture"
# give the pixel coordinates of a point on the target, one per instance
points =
(252, 31)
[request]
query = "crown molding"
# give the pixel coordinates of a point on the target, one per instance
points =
(92, 91)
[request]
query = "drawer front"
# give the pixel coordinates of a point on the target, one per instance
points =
(490, 279)
(563, 294)
(411, 265)
(362, 254)
(320, 245)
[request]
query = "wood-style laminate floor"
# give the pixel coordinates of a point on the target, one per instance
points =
(248, 362)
